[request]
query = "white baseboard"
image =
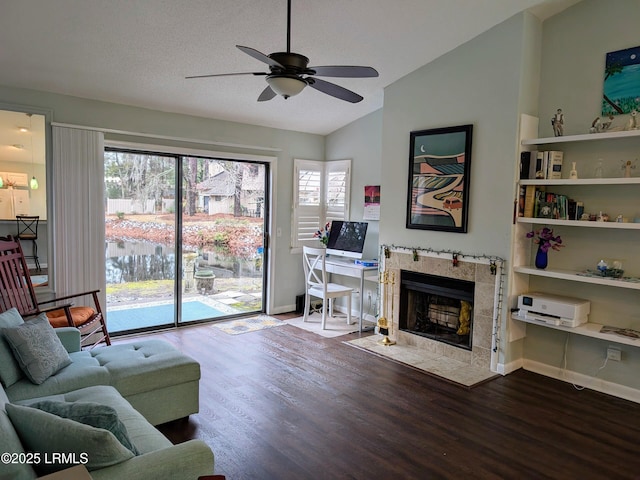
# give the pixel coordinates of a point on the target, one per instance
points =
(507, 368)
(591, 383)
(282, 309)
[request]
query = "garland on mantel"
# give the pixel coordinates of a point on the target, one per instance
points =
(494, 262)
(385, 251)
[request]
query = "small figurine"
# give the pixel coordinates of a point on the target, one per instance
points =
(606, 124)
(573, 174)
(558, 123)
(596, 126)
(598, 171)
(627, 166)
(632, 123)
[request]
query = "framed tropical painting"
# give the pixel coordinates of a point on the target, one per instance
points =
(439, 168)
(621, 82)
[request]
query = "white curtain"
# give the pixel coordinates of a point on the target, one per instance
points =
(78, 212)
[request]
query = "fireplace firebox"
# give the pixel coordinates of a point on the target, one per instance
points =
(439, 308)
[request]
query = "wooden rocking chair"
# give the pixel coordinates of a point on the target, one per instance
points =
(16, 290)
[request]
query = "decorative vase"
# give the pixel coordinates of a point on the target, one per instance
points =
(542, 258)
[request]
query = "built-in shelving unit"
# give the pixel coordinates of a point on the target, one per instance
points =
(615, 233)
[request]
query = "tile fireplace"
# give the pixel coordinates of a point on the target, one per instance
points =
(432, 323)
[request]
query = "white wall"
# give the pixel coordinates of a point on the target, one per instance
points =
(477, 83)
(361, 141)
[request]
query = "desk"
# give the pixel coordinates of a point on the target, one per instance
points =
(348, 268)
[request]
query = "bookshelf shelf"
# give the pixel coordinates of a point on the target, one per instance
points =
(583, 181)
(572, 275)
(587, 329)
(581, 138)
(579, 223)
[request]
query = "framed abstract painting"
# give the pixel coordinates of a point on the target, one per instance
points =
(439, 168)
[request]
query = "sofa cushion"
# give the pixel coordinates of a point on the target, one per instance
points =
(84, 371)
(50, 435)
(10, 372)
(145, 366)
(142, 434)
(10, 444)
(37, 349)
(89, 413)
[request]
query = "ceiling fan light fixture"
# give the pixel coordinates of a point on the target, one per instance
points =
(286, 85)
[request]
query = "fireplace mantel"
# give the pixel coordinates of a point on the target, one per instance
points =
(485, 272)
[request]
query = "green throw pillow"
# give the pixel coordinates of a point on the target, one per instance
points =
(89, 413)
(10, 371)
(65, 442)
(37, 348)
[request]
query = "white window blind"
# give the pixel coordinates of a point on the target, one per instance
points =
(321, 194)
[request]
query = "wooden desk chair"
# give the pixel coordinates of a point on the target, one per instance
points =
(316, 284)
(28, 230)
(16, 290)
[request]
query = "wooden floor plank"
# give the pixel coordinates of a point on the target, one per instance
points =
(283, 403)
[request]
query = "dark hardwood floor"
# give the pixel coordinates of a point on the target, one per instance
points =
(283, 403)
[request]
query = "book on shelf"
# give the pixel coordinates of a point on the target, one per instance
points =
(554, 206)
(539, 167)
(529, 201)
(525, 165)
(519, 210)
(554, 164)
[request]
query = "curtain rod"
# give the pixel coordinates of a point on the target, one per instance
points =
(167, 137)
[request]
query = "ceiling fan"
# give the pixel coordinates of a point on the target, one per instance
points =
(289, 73)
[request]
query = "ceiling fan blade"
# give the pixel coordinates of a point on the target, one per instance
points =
(345, 71)
(260, 56)
(227, 74)
(334, 90)
(267, 94)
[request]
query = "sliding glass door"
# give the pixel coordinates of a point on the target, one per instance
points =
(210, 211)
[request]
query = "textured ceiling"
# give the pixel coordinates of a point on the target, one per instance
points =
(137, 52)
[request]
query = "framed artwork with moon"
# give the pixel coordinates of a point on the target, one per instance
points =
(439, 168)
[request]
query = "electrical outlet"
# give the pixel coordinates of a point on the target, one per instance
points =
(614, 353)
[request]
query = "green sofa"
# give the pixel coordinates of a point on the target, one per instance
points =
(146, 383)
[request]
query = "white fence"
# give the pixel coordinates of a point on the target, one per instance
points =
(127, 205)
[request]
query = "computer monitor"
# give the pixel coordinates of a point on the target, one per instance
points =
(346, 239)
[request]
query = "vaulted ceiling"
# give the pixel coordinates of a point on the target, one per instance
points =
(138, 52)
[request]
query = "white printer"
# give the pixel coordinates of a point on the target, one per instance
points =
(553, 309)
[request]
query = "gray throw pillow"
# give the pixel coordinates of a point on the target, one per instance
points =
(89, 413)
(65, 442)
(37, 349)
(10, 371)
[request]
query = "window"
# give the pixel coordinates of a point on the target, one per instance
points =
(320, 195)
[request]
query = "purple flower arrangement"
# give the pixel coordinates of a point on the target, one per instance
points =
(545, 238)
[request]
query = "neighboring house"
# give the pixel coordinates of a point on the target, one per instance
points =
(217, 194)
